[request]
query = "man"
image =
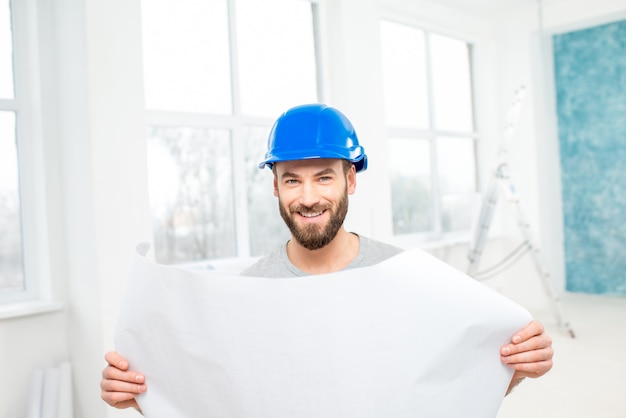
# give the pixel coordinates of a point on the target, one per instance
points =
(314, 154)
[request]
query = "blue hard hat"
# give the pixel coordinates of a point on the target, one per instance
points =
(311, 132)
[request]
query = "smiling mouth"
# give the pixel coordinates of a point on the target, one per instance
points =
(311, 214)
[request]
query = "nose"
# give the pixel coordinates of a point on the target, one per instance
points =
(309, 194)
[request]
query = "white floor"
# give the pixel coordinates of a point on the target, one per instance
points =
(588, 379)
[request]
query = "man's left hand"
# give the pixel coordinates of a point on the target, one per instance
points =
(529, 353)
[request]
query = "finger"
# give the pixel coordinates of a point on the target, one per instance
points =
(534, 343)
(119, 386)
(114, 359)
(120, 400)
(532, 370)
(533, 329)
(529, 356)
(114, 398)
(113, 373)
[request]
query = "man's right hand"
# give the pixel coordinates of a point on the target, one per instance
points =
(119, 385)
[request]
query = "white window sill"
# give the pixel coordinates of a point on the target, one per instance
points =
(30, 307)
(428, 244)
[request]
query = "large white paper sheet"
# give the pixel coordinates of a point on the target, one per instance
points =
(409, 337)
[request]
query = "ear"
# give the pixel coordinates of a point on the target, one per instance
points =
(275, 186)
(351, 180)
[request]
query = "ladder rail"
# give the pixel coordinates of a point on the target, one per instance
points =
(535, 252)
(487, 211)
(491, 197)
(501, 182)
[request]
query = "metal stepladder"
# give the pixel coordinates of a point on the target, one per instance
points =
(501, 182)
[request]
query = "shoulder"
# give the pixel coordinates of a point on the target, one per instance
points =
(274, 264)
(372, 244)
(373, 252)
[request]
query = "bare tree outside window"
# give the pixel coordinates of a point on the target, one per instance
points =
(191, 193)
(11, 271)
(216, 76)
(411, 191)
(266, 227)
(429, 117)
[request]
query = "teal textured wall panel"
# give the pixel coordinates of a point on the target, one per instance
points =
(590, 79)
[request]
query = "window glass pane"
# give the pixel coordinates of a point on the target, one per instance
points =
(186, 55)
(452, 93)
(404, 76)
(276, 55)
(191, 193)
(411, 193)
(267, 229)
(11, 273)
(6, 51)
(457, 181)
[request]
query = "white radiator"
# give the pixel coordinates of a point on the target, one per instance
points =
(51, 393)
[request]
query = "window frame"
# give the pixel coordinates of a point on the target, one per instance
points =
(431, 134)
(237, 121)
(36, 295)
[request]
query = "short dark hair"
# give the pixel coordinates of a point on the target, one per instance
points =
(347, 165)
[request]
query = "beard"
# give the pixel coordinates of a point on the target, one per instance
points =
(314, 237)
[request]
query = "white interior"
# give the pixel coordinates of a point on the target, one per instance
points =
(92, 141)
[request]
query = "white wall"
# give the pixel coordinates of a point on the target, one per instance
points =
(38, 340)
(519, 49)
(93, 125)
(102, 132)
(94, 135)
(352, 45)
(524, 56)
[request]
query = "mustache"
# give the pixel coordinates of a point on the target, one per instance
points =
(308, 209)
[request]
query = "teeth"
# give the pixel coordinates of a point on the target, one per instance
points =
(311, 215)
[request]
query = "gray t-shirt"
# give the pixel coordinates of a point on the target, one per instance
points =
(277, 263)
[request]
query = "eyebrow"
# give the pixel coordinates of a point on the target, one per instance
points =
(324, 172)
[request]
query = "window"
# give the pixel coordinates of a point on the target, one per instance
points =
(11, 272)
(24, 269)
(11, 260)
(431, 133)
(217, 74)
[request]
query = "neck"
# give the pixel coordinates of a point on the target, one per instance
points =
(333, 257)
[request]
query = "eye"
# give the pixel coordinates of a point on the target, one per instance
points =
(291, 181)
(325, 179)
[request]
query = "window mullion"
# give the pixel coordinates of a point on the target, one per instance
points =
(398, 131)
(9, 104)
(199, 120)
(434, 169)
(476, 137)
(317, 39)
(234, 58)
(242, 235)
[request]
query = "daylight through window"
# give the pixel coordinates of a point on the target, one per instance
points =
(430, 125)
(214, 83)
(11, 258)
